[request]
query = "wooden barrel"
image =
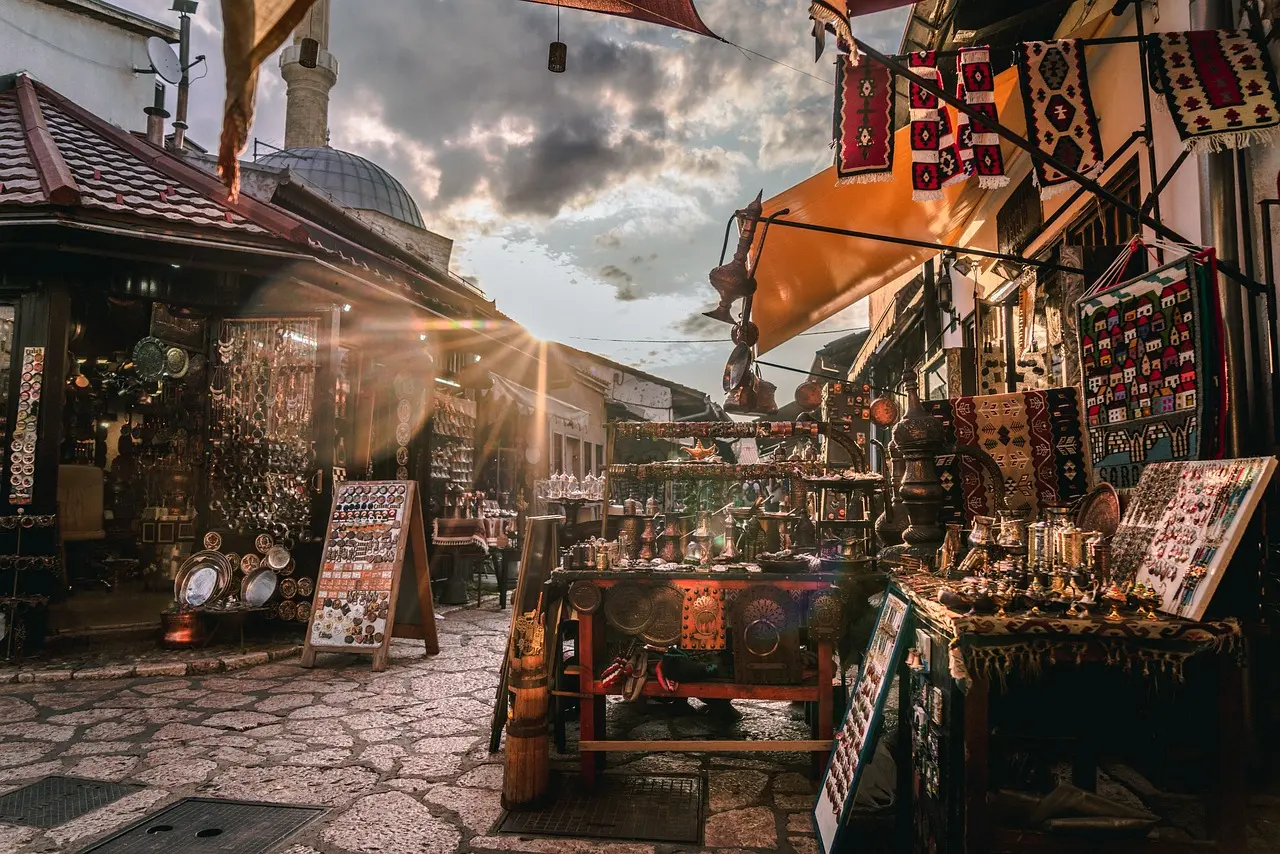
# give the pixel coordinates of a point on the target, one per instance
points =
(526, 772)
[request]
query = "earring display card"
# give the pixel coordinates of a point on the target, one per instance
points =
(22, 448)
(855, 743)
(1182, 525)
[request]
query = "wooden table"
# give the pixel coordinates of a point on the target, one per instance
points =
(969, 651)
(816, 686)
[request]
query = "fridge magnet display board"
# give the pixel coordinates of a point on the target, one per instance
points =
(855, 743)
(1183, 523)
(374, 546)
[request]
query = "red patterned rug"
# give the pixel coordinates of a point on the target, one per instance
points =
(1060, 117)
(863, 122)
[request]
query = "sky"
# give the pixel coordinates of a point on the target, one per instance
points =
(592, 204)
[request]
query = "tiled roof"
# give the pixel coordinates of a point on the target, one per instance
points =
(54, 153)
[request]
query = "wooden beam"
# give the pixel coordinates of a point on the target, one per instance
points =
(798, 746)
(55, 176)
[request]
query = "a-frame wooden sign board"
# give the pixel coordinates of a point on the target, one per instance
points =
(374, 542)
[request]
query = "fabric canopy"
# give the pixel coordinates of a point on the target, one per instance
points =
(671, 13)
(530, 402)
(253, 29)
(804, 277)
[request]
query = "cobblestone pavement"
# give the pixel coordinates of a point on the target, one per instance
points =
(399, 757)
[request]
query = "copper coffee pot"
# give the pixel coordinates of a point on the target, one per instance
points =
(732, 280)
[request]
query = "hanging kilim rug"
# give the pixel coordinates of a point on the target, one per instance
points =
(863, 122)
(1219, 85)
(1060, 116)
(1148, 358)
(926, 180)
(980, 146)
(1035, 437)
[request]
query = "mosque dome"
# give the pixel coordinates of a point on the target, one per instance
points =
(351, 179)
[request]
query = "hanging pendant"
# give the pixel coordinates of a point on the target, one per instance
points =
(558, 58)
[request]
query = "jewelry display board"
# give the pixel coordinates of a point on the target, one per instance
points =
(262, 442)
(22, 448)
(855, 743)
(1182, 525)
(375, 533)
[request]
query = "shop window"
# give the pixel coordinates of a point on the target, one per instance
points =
(574, 456)
(1102, 223)
(935, 380)
(557, 453)
(599, 459)
(1020, 218)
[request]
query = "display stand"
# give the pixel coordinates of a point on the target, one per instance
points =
(375, 533)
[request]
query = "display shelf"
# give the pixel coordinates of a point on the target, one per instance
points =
(714, 471)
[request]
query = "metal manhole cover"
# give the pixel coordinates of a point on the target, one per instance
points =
(194, 825)
(643, 809)
(57, 800)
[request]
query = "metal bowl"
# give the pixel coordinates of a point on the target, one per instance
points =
(203, 578)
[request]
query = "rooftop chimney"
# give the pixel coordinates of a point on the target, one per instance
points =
(156, 114)
(185, 9)
(309, 72)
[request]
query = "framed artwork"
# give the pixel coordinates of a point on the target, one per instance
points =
(855, 743)
(1182, 525)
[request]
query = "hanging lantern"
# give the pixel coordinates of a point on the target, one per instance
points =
(559, 55)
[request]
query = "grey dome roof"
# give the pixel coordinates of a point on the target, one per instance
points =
(351, 179)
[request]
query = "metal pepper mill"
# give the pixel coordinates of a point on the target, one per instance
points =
(920, 437)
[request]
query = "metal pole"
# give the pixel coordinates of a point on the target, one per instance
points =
(925, 244)
(1021, 142)
(1168, 176)
(1154, 199)
(184, 84)
(1273, 344)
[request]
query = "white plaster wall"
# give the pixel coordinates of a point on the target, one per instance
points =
(88, 61)
(642, 397)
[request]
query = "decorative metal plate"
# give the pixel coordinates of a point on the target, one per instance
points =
(403, 434)
(176, 362)
(203, 578)
(278, 558)
(403, 411)
(288, 588)
(302, 611)
(287, 610)
(1100, 510)
(305, 586)
(584, 597)
(263, 543)
(148, 358)
(206, 824)
(213, 541)
(249, 563)
(258, 587)
(665, 623)
(57, 800)
(628, 608)
(642, 808)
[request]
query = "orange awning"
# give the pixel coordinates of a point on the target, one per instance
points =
(804, 277)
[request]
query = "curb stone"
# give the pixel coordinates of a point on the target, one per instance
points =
(202, 666)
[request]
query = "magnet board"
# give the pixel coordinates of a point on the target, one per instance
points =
(1183, 523)
(374, 544)
(855, 742)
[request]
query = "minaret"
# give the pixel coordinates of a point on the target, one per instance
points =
(306, 120)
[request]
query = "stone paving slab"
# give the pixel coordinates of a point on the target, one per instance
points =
(399, 758)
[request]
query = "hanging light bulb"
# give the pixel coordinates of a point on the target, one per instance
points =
(559, 55)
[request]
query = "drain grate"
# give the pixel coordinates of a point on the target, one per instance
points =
(194, 825)
(644, 809)
(56, 800)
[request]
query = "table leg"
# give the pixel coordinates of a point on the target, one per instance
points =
(824, 727)
(501, 560)
(591, 724)
(1227, 818)
(976, 758)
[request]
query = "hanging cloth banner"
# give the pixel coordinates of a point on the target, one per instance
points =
(926, 131)
(863, 122)
(1219, 85)
(679, 14)
(979, 146)
(1061, 120)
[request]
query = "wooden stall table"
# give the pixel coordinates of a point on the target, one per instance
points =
(968, 651)
(809, 598)
(465, 542)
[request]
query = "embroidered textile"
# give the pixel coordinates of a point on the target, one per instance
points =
(1036, 439)
(979, 146)
(863, 122)
(1060, 117)
(1219, 85)
(926, 131)
(1143, 349)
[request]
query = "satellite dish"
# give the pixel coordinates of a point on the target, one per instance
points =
(164, 62)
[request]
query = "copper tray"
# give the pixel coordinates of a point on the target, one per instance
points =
(194, 586)
(1100, 511)
(584, 597)
(667, 612)
(628, 607)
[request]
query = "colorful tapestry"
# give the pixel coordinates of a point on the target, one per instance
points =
(926, 132)
(1060, 117)
(1182, 525)
(1219, 85)
(863, 122)
(979, 146)
(1143, 347)
(1035, 437)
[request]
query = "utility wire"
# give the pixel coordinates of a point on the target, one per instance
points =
(702, 340)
